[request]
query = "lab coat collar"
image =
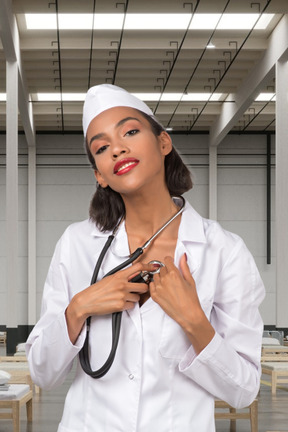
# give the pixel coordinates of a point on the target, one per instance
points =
(191, 230)
(119, 246)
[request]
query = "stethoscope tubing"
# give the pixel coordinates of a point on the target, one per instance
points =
(116, 317)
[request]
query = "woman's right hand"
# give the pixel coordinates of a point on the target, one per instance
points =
(111, 294)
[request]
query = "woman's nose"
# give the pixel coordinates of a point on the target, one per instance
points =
(118, 149)
(116, 154)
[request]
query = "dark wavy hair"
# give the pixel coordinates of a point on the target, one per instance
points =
(107, 206)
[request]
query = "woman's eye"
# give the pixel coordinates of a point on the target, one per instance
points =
(132, 132)
(101, 149)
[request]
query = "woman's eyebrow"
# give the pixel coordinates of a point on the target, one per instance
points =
(120, 123)
(96, 137)
(124, 120)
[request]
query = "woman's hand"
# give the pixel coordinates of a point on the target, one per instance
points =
(111, 294)
(175, 291)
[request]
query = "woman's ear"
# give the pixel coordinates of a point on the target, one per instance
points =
(100, 179)
(165, 143)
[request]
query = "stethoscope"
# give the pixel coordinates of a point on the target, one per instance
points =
(144, 276)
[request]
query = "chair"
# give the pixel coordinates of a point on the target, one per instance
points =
(278, 371)
(250, 413)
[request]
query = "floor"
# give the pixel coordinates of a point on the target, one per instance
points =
(47, 410)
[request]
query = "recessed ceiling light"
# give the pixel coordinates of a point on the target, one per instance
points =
(243, 21)
(75, 21)
(266, 97)
(156, 21)
(191, 97)
(56, 97)
(147, 97)
(204, 21)
(171, 97)
(41, 21)
(201, 97)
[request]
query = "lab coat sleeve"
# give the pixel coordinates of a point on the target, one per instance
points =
(49, 350)
(229, 367)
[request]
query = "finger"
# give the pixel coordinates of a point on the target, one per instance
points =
(156, 281)
(152, 287)
(138, 287)
(134, 269)
(128, 306)
(133, 298)
(150, 267)
(169, 263)
(163, 271)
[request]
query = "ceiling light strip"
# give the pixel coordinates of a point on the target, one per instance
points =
(146, 97)
(145, 21)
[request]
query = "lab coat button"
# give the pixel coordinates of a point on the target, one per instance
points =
(131, 376)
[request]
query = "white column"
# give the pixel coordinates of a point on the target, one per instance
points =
(213, 182)
(31, 235)
(281, 192)
(12, 191)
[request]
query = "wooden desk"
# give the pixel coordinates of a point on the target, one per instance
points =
(3, 336)
(17, 395)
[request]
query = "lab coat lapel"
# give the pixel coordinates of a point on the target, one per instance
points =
(135, 316)
(191, 238)
(117, 253)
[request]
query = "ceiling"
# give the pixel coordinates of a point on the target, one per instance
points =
(145, 61)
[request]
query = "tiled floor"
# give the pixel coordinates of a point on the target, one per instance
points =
(273, 412)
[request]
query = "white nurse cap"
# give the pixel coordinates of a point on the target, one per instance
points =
(104, 96)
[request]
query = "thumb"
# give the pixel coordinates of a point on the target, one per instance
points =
(185, 268)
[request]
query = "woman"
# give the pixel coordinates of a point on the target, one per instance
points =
(191, 335)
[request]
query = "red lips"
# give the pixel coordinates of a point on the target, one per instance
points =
(125, 165)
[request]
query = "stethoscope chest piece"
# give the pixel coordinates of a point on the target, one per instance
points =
(147, 277)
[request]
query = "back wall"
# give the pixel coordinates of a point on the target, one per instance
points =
(65, 185)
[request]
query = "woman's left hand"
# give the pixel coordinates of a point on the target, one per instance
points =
(175, 291)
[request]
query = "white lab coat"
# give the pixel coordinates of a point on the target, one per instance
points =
(156, 383)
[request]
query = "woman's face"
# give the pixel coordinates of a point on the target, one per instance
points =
(127, 154)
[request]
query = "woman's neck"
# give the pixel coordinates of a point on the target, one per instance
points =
(146, 214)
